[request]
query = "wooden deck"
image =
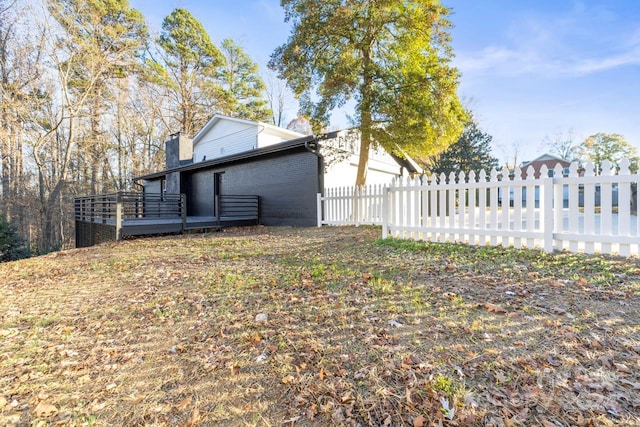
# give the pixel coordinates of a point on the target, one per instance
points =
(120, 215)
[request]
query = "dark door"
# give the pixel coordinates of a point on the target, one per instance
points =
(200, 199)
(203, 193)
(217, 185)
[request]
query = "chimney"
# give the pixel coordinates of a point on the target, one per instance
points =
(178, 151)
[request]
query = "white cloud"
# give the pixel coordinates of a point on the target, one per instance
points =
(581, 42)
(629, 58)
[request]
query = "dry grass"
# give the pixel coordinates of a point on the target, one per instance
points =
(163, 331)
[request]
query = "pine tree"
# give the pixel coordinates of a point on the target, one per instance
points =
(472, 152)
(241, 80)
(12, 247)
(188, 65)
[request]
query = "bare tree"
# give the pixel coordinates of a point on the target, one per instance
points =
(563, 145)
(20, 72)
(279, 97)
(511, 155)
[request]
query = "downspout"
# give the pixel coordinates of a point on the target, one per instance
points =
(313, 147)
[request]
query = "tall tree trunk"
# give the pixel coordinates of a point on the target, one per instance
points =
(365, 121)
(4, 168)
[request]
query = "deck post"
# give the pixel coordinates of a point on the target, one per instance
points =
(216, 208)
(319, 209)
(183, 211)
(118, 216)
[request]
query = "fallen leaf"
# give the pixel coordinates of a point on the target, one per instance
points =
(623, 368)
(184, 403)
(323, 374)
(288, 379)
(553, 361)
(419, 421)
(98, 406)
(195, 418)
(45, 410)
(347, 397)
(635, 386)
(493, 308)
(546, 423)
(395, 323)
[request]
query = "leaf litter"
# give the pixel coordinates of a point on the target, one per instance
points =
(286, 326)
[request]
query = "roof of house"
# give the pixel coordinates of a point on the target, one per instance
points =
(286, 133)
(297, 141)
(308, 142)
(546, 157)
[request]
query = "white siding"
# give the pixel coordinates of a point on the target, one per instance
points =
(224, 139)
(382, 166)
(344, 172)
(265, 138)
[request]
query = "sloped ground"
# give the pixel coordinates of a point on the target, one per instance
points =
(282, 326)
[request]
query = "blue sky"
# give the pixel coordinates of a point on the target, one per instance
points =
(531, 69)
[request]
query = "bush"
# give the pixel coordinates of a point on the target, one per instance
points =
(12, 247)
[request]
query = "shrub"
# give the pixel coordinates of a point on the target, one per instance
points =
(12, 247)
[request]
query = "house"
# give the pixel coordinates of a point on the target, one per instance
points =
(284, 169)
(547, 159)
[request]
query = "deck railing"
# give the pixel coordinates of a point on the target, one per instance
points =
(113, 216)
(114, 208)
(239, 207)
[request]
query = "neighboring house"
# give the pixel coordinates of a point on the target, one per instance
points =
(547, 159)
(285, 169)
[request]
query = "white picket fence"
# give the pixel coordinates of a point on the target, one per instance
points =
(588, 213)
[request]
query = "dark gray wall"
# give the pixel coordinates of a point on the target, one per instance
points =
(173, 183)
(287, 184)
(153, 186)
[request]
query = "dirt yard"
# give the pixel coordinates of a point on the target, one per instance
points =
(284, 326)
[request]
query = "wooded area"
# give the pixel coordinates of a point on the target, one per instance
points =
(88, 95)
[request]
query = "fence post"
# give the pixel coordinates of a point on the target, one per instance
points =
(547, 185)
(385, 212)
(356, 204)
(118, 216)
(319, 208)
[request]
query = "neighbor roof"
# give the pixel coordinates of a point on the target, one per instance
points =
(545, 157)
